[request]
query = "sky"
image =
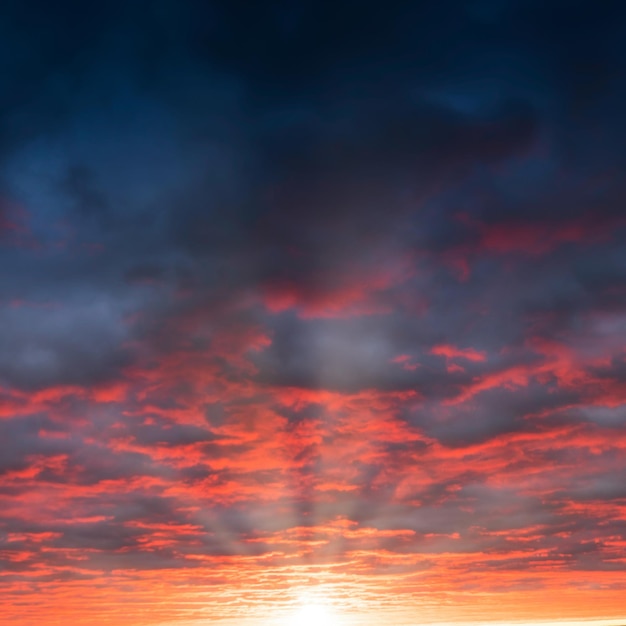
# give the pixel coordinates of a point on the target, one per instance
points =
(312, 312)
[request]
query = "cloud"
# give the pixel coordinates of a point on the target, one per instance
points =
(304, 294)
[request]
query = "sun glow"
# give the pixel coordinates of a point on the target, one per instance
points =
(314, 614)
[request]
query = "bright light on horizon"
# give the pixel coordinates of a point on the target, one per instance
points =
(313, 611)
(313, 615)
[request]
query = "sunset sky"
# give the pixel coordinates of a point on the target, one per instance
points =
(312, 312)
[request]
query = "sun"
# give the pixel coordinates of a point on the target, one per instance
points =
(313, 614)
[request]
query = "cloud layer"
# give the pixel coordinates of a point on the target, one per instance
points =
(299, 296)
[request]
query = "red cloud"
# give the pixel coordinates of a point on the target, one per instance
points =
(347, 293)
(452, 352)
